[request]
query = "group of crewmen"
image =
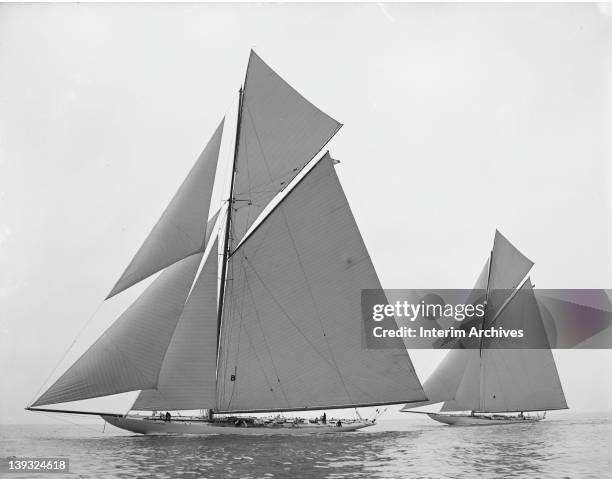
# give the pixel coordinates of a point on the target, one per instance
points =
(324, 420)
(163, 417)
(168, 417)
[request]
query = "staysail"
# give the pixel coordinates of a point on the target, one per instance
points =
(280, 132)
(444, 382)
(187, 378)
(181, 229)
(129, 355)
(291, 334)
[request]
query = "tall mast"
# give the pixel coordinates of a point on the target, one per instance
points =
(484, 318)
(228, 220)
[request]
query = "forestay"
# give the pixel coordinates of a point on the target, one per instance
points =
(129, 355)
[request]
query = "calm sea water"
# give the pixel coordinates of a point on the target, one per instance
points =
(574, 446)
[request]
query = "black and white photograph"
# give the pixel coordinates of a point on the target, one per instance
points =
(309, 240)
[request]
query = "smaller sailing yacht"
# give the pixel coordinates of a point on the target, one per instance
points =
(258, 309)
(485, 383)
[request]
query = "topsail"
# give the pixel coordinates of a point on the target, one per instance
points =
(280, 132)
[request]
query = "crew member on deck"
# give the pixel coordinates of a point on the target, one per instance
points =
(168, 416)
(324, 418)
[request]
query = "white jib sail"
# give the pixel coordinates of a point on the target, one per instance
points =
(181, 229)
(129, 355)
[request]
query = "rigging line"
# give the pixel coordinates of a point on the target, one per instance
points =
(251, 203)
(263, 155)
(260, 365)
(116, 348)
(482, 325)
(248, 173)
(263, 334)
(220, 222)
(504, 365)
(255, 192)
(298, 169)
(225, 332)
(509, 371)
(296, 327)
(251, 231)
(265, 160)
(239, 132)
(231, 313)
(264, 236)
(314, 303)
(230, 326)
(239, 312)
(286, 176)
(319, 150)
(158, 392)
(67, 351)
(284, 312)
(515, 291)
(228, 234)
(355, 386)
(62, 418)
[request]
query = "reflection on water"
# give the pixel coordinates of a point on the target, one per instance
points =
(577, 447)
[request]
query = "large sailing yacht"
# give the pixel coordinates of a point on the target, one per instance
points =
(256, 308)
(485, 382)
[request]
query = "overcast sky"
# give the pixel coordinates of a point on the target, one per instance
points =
(458, 120)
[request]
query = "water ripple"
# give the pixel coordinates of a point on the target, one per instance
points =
(576, 448)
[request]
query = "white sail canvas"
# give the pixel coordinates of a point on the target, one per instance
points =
(181, 230)
(187, 378)
(291, 333)
(280, 132)
(129, 355)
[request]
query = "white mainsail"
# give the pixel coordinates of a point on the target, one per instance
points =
(280, 132)
(520, 379)
(181, 229)
(291, 333)
(491, 378)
